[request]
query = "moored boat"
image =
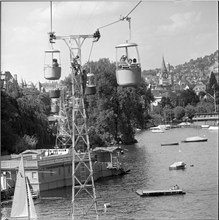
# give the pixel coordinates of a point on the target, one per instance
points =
(156, 130)
(195, 139)
(213, 128)
(177, 166)
(205, 126)
(170, 144)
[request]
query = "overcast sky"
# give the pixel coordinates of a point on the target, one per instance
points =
(177, 30)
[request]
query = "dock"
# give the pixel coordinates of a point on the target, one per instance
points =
(143, 192)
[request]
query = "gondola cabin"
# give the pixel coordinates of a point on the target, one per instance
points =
(90, 85)
(128, 67)
(54, 108)
(52, 65)
(54, 94)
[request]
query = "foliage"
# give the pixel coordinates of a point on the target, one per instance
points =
(168, 114)
(190, 111)
(188, 96)
(179, 112)
(205, 107)
(22, 117)
(213, 85)
(116, 111)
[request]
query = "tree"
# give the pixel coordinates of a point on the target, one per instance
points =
(23, 117)
(190, 111)
(168, 114)
(205, 107)
(116, 111)
(179, 112)
(188, 96)
(212, 86)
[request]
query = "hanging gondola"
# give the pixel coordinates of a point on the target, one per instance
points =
(128, 67)
(90, 85)
(52, 65)
(54, 108)
(53, 94)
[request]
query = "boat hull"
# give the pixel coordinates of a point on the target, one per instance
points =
(170, 144)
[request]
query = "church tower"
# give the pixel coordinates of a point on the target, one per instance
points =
(164, 75)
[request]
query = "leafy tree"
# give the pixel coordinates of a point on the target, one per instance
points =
(115, 111)
(23, 117)
(179, 112)
(188, 96)
(166, 102)
(190, 111)
(205, 107)
(168, 114)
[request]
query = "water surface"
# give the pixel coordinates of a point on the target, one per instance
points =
(149, 163)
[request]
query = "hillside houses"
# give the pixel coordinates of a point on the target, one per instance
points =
(194, 74)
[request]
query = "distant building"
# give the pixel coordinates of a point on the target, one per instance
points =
(183, 83)
(200, 87)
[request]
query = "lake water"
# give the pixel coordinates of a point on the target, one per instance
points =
(149, 163)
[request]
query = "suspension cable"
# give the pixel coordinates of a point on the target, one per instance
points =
(121, 18)
(51, 15)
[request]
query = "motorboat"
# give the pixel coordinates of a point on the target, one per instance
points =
(205, 126)
(170, 144)
(177, 166)
(157, 130)
(213, 128)
(195, 139)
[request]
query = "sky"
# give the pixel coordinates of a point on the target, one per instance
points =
(178, 30)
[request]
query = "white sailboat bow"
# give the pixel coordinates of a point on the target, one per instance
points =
(22, 206)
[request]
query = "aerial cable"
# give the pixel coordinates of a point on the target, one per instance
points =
(52, 36)
(132, 10)
(121, 18)
(90, 55)
(51, 15)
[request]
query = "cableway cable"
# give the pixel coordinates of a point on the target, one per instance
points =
(121, 19)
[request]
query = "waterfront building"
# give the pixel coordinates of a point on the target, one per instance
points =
(206, 119)
(52, 168)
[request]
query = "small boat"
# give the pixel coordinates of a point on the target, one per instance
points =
(177, 166)
(170, 144)
(143, 192)
(22, 206)
(213, 128)
(194, 139)
(157, 130)
(205, 126)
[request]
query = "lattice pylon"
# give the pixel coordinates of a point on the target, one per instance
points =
(84, 203)
(63, 137)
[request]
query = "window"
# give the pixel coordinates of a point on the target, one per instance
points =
(34, 175)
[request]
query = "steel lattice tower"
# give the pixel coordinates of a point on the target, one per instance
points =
(83, 189)
(63, 137)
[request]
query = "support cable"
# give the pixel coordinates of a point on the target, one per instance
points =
(121, 18)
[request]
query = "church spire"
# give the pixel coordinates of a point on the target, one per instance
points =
(163, 66)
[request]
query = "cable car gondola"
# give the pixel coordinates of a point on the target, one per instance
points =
(53, 94)
(128, 67)
(90, 85)
(52, 68)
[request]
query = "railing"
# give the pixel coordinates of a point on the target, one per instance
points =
(13, 164)
(62, 159)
